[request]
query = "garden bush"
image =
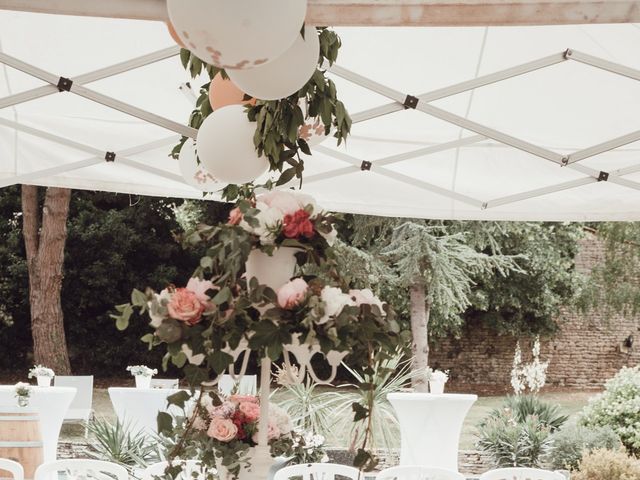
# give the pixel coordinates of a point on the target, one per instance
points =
(619, 407)
(519, 433)
(572, 441)
(605, 464)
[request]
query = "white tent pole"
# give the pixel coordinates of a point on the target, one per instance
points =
(381, 12)
(603, 64)
(90, 77)
(163, 142)
(318, 177)
(28, 177)
(604, 147)
(429, 150)
(539, 192)
(465, 86)
(149, 169)
(100, 98)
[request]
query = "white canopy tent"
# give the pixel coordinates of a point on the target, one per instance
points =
(512, 123)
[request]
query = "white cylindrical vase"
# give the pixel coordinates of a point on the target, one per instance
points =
(143, 381)
(43, 381)
(430, 427)
(436, 387)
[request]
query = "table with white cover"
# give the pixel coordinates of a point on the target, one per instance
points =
(139, 407)
(430, 427)
(52, 404)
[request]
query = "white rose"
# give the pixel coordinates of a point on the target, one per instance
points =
(156, 318)
(304, 200)
(366, 297)
(330, 237)
(334, 300)
(280, 418)
(286, 202)
(268, 219)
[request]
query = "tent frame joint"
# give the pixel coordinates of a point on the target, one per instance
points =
(603, 176)
(64, 84)
(110, 156)
(410, 102)
(365, 166)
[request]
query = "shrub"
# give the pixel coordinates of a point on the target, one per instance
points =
(572, 441)
(619, 407)
(607, 465)
(519, 433)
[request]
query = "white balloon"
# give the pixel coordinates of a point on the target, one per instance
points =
(237, 34)
(313, 129)
(193, 173)
(285, 75)
(225, 146)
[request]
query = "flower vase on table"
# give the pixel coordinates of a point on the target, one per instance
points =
(142, 374)
(142, 381)
(42, 374)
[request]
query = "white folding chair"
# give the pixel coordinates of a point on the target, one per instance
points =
(14, 468)
(418, 472)
(521, 474)
(319, 471)
(81, 407)
(189, 467)
(169, 383)
(248, 385)
(87, 468)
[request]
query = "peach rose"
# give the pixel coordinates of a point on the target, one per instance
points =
(235, 216)
(185, 306)
(292, 293)
(222, 429)
(251, 410)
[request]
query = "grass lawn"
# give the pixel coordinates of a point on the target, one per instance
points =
(570, 402)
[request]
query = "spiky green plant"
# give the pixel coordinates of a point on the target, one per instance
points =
(121, 444)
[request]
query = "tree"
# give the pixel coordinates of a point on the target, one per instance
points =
(45, 233)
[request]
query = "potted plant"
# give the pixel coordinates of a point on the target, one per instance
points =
(437, 379)
(42, 374)
(142, 374)
(23, 392)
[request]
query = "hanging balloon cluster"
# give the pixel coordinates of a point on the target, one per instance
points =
(263, 63)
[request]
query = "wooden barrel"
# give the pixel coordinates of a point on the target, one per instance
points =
(20, 439)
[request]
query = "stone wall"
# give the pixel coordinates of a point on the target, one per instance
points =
(586, 351)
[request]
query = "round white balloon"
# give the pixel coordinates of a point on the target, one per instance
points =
(225, 146)
(285, 75)
(237, 34)
(194, 173)
(313, 129)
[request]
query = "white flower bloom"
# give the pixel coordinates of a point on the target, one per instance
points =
(281, 419)
(330, 237)
(334, 300)
(366, 296)
(156, 318)
(285, 202)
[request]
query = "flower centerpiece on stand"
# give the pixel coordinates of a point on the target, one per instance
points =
(142, 374)
(253, 292)
(23, 393)
(42, 374)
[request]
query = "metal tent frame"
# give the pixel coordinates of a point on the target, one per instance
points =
(400, 101)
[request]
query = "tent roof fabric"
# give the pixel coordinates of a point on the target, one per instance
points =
(489, 123)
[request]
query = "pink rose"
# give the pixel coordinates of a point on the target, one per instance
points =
(222, 429)
(235, 216)
(200, 287)
(250, 410)
(272, 433)
(185, 306)
(292, 293)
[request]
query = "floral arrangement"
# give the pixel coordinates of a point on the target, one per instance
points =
(41, 371)
(142, 371)
(438, 375)
(284, 218)
(308, 447)
(23, 393)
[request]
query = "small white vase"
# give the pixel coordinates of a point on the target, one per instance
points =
(436, 387)
(43, 381)
(273, 271)
(142, 381)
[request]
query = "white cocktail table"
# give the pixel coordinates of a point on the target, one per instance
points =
(139, 407)
(430, 427)
(52, 404)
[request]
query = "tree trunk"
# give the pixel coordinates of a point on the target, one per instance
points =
(420, 310)
(44, 239)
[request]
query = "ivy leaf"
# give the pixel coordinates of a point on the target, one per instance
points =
(360, 412)
(219, 361)
(165, 423)
(286, 176)
(224, 295)
(179, 398)
(122, 320)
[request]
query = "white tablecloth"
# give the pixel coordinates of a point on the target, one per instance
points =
(430, 427)
(139, 407)
(52, 404)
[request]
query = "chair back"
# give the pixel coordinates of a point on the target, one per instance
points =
(248, 385)
(169, 383)
(418, 472)
(82, 403)
(189, 468)
(521, 474)
(318, 471)
(88, 468)
(14, 468)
